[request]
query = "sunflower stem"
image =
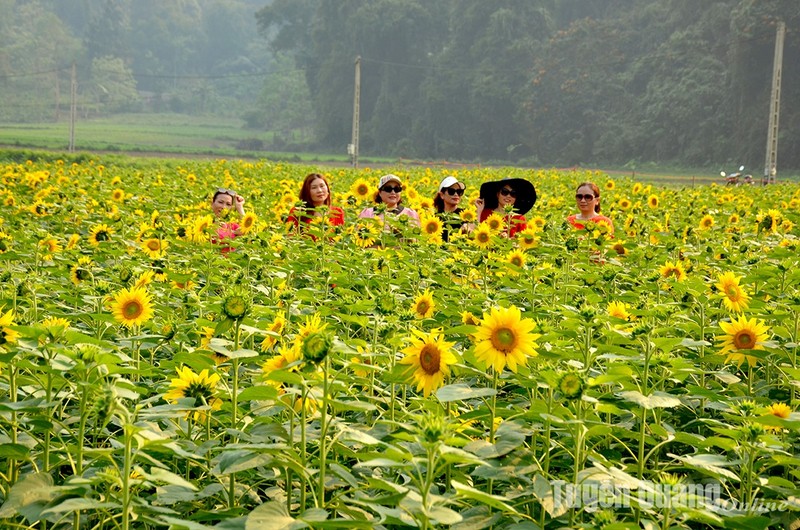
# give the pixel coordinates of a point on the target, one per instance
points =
(323, 432)
(234, 406)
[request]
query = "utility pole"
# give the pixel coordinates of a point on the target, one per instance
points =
(352, 149)
(73, 107)
(771, 165)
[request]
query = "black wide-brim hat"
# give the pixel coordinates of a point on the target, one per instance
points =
(526, 193)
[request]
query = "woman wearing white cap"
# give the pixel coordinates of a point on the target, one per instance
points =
(389, 189)
(446, 203)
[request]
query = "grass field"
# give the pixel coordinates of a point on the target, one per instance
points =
(179, 135)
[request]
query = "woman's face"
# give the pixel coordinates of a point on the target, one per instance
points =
(390, 193)
(507, 196)
(318, 192)
(222, 202)
(586, 200)
(452, 196)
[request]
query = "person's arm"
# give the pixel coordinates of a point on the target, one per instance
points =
(238, 202)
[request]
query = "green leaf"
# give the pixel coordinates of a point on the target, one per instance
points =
(74, 505)
(272, 516)
(158, 474)
(30, 491)
(494, 501)
(654, 400)
(460, 392)
(15, 451)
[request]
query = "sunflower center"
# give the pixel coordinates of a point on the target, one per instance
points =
(132, 310)
(483, 237)
(422, 307)
(732, 292)
(516, 261)
(199, 390)
(102, 235)
(154, 245)
(430, 359)
(744, 340)
(504, 340)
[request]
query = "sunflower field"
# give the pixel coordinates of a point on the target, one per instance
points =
(349, 377)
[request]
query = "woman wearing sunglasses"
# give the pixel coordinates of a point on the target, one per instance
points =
(223, 201)
(509, 198)
(588, 198)
(446, 203)
(315, 194)
(389, 189)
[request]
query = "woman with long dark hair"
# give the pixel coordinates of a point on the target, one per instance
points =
(315, 194)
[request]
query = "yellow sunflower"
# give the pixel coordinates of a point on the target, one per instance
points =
(248, 222)
(618, 246)
(81, 271)
(504, 338)
(424, 305)
(673, 269)
(154, 247)
(50, 245)
(118, 195)
(132, 307)
(779, 410)
(100, 233)
(431, 228)
(7, 335)
(468, 215)
(706, 222)
(482, 236)
(637, 188)
(624, 204)
(516, 258)
(743, 335)
(361, 189)
(73, 241)
(652, 201)
(733, 296)
(469, 319)
(201, 387)
(494, 222)
(276, 329)
(610, 185)
(430, 356)
(618, 310)
(364, 234)
(527, 239)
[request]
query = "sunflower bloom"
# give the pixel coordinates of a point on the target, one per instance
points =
(733, 296)
(482, 236)
(81, 271)
(430, 357)
(673, 269)
(132, 307)
(202, 387)
(7, 335)
(248, 222)
(495, 222)
(516, 258)
(743, 335)
(504, 338)
(618, 310)
(424, 305)
(100, 233)
(706, 222)
(779, 410)
(360, 189)
(432, 228)
(154, 247)
(652, 201)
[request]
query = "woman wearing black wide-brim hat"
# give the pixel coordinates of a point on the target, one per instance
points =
(496, 196)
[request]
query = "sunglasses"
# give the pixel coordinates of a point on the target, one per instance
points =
(587, 197)
(392, 189)
(227, 192)
(508, 192)
(454, 191)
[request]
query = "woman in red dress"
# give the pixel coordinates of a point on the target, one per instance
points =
(315, 194)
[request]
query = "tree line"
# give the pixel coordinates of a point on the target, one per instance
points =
(624, 82)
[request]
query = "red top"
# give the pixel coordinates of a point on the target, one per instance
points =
(517, 221)
(335, 217)
(597, 219)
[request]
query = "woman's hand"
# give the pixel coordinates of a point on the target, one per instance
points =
(478, 207)
(238, 202)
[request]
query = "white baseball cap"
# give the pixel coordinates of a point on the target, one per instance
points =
(449, 181)
(388, 178)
